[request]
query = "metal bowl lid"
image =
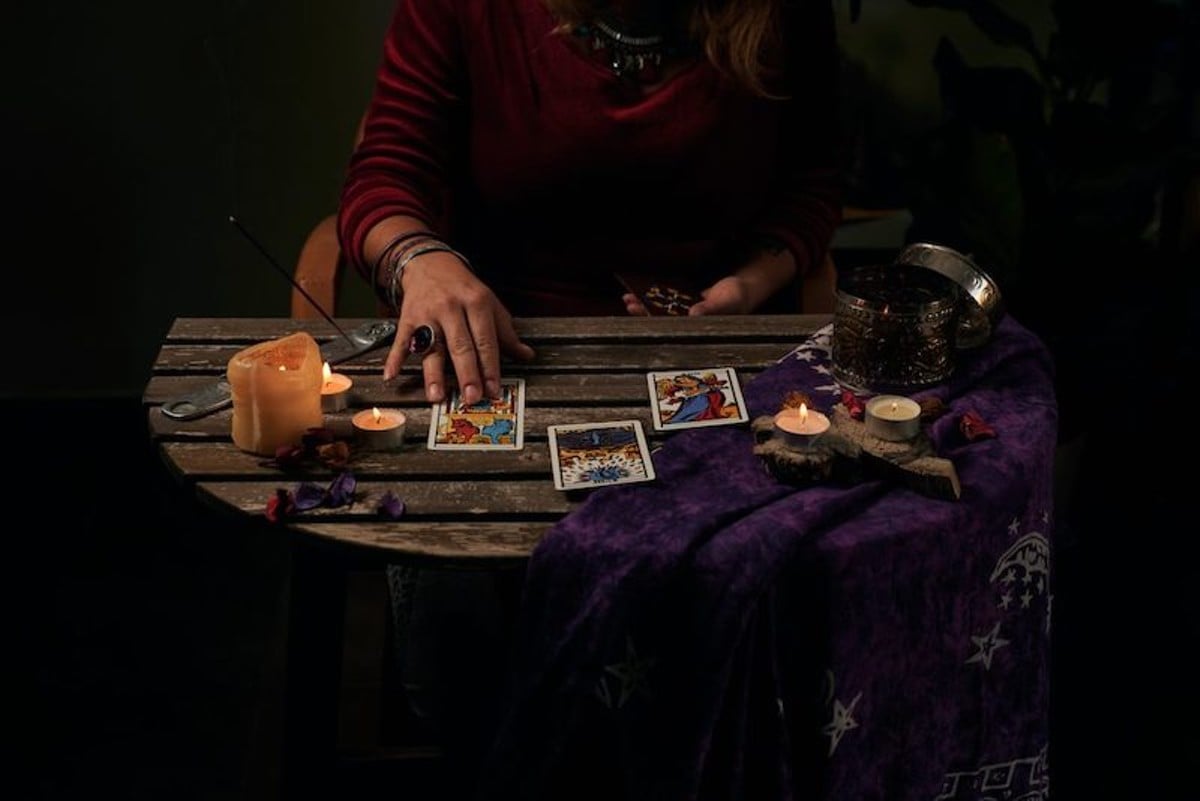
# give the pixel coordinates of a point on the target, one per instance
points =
(986, 308)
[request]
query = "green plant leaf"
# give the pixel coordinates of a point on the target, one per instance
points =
(992, 21)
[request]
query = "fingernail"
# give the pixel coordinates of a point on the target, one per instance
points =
(434, 392)
(470, 394)
(493, 388)
(388, 373)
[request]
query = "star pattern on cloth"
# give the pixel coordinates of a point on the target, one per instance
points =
(631, 674)
(843, 721)
(817, 342)
(988, 644)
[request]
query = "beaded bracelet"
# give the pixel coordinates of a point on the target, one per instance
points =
(420, 249)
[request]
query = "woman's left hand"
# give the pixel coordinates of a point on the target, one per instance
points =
(730, 295)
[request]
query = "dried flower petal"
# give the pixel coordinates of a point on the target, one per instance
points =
(931, 408)
(315, 437)
(280, 505)
(341, 491)
(288, 456)
(973, 427)
(390, 506)
(334, 454)
(854, 404)
(308, 495)
(794, 399)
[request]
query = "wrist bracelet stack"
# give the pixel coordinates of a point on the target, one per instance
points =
(399, 252)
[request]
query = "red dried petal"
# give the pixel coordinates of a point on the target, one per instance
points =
(974, 427)
(280, 506)
(854, 404)
(288, 456)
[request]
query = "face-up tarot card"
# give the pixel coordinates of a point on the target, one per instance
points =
(694, 398)
(658, 297)
(589, 455)
(489, 425)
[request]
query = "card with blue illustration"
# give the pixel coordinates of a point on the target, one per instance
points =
(590, 455)
(695, 398)
(491, 424)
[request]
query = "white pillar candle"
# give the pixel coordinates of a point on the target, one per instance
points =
(893, 417)
(376, 430)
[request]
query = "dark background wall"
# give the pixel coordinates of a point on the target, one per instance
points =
(147, 647)
(132, 131)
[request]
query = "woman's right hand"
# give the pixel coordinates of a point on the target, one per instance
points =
(472, 327)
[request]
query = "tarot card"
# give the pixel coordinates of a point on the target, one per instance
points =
(590, 455)
(492, 424)
(658, 297)
(694, 398)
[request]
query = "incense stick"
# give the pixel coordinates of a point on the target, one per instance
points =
(237, 224)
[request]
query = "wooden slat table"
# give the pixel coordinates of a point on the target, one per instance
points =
(464, 509)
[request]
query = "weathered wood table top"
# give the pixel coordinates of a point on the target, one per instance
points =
(462, 507)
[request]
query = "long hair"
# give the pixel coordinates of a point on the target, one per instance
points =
(739, 37)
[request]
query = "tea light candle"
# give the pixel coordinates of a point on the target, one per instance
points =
(893, 417)
(379, 431)
(801, 428)
(335, 390)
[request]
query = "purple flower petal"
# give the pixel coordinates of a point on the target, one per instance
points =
(308, 496)
(341, 491)
(390, 506)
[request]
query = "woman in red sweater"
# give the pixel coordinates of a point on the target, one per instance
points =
(517, 156)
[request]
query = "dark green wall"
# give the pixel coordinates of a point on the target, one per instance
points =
(132, 130)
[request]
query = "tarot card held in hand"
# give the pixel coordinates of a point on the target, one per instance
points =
(660, 298)
(492, 424)
(588, 455)
(694, 398)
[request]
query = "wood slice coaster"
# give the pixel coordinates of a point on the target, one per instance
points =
(848, 454)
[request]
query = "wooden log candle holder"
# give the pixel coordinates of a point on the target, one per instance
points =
(848, 453)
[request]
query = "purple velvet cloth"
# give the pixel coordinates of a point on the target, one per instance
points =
(715, 634)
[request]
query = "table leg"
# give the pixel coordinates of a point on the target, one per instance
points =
(316, 616)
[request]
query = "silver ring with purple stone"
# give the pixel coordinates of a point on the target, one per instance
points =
(423, 340)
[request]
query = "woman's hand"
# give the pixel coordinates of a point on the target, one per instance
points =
(730, 295)
(471, 325)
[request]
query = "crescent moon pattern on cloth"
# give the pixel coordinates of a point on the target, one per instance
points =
(1019, 780)
(1023, 570)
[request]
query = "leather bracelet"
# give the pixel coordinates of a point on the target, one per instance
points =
(419, 249)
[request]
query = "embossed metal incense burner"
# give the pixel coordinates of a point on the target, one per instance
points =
(898, 326)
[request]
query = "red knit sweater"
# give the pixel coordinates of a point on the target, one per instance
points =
(551, 173)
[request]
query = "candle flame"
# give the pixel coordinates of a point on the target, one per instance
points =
(283, 368)
(375, 413)
(803, 413)
(326, 373)
(895, 406)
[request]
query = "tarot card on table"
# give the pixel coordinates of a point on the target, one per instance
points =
(492, 424)
(694, 398)
(588, 455)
